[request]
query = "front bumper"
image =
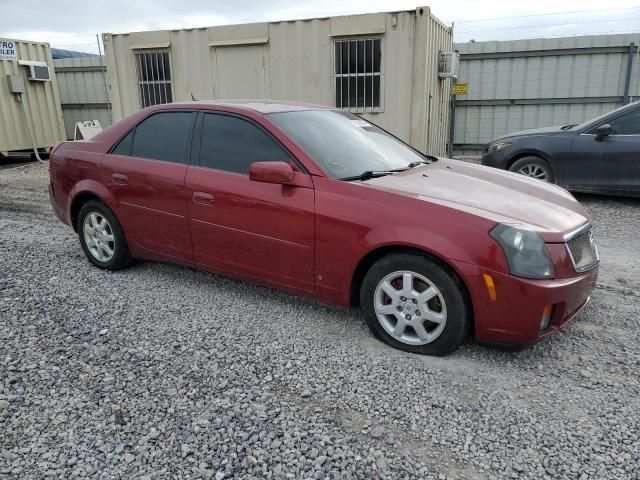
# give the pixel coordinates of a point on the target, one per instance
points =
(497, 159)
(515, 316)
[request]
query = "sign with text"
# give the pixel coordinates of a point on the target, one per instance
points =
(460, 88)
(8, 50)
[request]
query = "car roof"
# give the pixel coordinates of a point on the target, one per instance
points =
(260, 106)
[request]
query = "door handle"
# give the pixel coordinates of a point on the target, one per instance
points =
(202, 198)
(120, 179)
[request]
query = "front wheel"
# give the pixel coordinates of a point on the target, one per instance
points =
(413, 303)
(534, 167)
(101, 236)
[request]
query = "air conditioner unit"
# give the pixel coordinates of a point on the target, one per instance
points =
(38, 71)
(448, 65)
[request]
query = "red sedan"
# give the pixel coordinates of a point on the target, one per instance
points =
(320, 202)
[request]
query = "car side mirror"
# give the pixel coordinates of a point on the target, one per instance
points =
(603, 131)
(271, 172)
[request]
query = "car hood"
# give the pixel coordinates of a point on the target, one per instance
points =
(533, 131)
(500, 196)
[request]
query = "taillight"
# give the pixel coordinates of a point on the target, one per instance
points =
(53, 150)
(55, 147)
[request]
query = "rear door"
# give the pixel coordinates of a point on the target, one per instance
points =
(262, 230)
(145, 172)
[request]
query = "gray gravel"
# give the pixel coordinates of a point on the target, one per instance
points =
(161, 371)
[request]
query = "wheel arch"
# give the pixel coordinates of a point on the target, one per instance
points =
(528, 153)
(367, 261)
(84, 191)
(76, 204)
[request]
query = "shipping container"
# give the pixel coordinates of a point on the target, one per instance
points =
(83, 91)
(26, 68)
(383, 66)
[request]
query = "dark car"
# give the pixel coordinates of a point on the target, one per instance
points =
(598, 156)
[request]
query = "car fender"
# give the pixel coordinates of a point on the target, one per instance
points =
(429, 242)
(523, 152)
(482, 254)
(89, 186)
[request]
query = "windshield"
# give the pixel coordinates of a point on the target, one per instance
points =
(344, 144)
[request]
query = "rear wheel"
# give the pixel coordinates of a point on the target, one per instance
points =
(414, 304)
(101, 236)
(534, 167)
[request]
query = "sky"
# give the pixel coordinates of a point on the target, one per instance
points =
(73, 25)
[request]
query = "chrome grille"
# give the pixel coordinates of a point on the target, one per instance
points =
(584, 251)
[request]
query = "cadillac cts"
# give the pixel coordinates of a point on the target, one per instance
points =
(321, 203)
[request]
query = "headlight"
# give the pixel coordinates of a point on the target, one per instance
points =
(495, 147)
(526, 253)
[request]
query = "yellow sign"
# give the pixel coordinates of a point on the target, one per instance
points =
(460, 88)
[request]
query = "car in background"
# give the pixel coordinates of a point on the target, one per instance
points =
(322, 203)
(598, 156)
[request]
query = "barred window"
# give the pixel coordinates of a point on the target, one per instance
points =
(358, 73)
(154, 77)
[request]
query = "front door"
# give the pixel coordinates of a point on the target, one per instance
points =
(145, 174)
(621, 154)
(580, 168)
(261, 230)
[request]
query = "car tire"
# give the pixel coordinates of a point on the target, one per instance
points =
(101, 237)
(534, 167)
(445, 316)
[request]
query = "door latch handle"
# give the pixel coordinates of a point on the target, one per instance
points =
(120, 179)
(202, 198)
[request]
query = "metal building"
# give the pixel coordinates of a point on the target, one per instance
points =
(523, 84)
(83, 91)
(30, 113)
(384, 66)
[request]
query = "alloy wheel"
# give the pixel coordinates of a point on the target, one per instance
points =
(98, 235)
(534, 171)
(410, 308)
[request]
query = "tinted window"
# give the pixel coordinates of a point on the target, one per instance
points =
(628, 124)
(232, 144)
(162, 137)
(124, 146)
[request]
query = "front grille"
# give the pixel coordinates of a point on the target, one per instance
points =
(584, 251)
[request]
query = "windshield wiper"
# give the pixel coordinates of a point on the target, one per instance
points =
(367, 174)
(417, 163)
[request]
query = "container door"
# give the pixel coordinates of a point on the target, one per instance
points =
(240, 71)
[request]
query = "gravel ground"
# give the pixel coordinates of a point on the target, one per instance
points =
(161, 371)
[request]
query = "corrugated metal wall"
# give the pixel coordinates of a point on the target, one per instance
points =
(42, 101)
(294, 60)
(83, 91)
(438, 104)
(522, 84)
